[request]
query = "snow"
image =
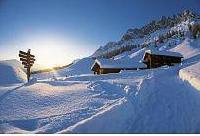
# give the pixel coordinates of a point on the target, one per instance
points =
(164, 53)
(153, 106)
(128, 102)
(192, 75)
(118, 112)
(189, 48)
(11, 72)
(51, 106)
(108, 63)
(79, 67)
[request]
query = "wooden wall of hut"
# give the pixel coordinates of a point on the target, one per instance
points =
(154, 61)
(109, 70)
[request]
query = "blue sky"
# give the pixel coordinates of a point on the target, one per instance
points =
(76, 27)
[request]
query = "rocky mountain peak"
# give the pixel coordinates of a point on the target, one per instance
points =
(137, 34)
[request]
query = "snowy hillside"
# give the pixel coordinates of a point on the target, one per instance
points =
(150, 32)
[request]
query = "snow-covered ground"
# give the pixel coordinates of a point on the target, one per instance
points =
(50, 107)
(145, 101)
(73, 100)
(151, 105)
(192, 75)
(11, 72)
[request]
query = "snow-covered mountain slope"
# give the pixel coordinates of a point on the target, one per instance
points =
(11, 72)
(150, 32)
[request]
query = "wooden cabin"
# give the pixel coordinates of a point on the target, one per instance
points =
(105, 66)
(155, 58)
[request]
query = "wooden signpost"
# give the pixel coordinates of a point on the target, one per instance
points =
(27, 60)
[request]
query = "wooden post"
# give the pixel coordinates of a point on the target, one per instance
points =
(28, 62)
(28, 66)
(28, 73)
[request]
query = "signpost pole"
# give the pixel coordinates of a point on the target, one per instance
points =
(28, 73)
(28, 62)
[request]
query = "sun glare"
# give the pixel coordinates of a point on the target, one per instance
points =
(53, 50)
(50, 53)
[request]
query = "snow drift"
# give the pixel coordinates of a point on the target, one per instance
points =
(192, 75)
(11, 72)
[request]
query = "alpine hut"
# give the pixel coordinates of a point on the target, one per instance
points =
(154, 58)
(105, 66)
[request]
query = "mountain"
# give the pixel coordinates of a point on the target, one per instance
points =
(137, 37)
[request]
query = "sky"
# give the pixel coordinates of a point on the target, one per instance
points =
(60, 31)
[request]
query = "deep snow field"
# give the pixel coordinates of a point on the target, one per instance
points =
(162, 100)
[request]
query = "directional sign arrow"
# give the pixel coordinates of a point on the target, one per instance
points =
(22, 56)
(32, 56)
(23, 53)
(31, 62)
(26, 64)
(26, 54)
(23, 59)
(32, 59)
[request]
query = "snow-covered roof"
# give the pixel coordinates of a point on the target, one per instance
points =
(164, 53)
(122, 64)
